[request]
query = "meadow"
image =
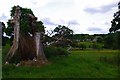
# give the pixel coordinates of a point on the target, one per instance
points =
(79, 64)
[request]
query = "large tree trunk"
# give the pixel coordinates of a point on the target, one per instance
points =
(16, 23)
(39, 48)
(28, 47)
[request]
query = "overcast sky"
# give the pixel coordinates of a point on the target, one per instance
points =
(83, 16)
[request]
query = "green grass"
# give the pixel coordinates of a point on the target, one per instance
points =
(5, 50)
(0, 55)
(87, 44)
(79, 64)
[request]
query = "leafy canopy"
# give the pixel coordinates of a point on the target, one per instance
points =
(25, 26)
(116, 21)
(63, 31)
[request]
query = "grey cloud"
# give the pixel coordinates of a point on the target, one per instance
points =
(3, 17)
(107, 23)
(102, 9)
(73, 22)
(47, 21)
(91, 10)
(34, 3)
(60, 4)
(94, 29)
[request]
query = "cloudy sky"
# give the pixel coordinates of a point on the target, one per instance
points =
(83, 16)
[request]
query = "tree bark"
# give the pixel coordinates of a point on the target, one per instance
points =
(39, 48)
(16, 23)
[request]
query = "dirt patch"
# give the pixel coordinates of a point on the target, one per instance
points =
(33, 63)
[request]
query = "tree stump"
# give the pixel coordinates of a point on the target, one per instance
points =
(29, 48)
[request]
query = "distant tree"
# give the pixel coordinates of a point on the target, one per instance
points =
(109, 41)
(82, 46)
(62, 36)
(63, 31)
(116, 21)
(97, 46)
(4, 38)
(115, 27)
(100, 39)
(76, 37)
(2, 26)
(117, 40)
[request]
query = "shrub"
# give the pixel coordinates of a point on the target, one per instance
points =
(55, 51)
(97, 46)
(82, 46)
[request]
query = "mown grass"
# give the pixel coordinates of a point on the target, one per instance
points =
(79, 64)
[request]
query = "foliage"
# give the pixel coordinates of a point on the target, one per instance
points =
(115, 27)
(117, 40)
(74, 44)
(116, 21)
(83, 37)
(63, 43)
(97, 46)
(63, 31)
(25, 27)
(82, 46)
(62, 36)
(51, 51)
(87, 44)
(100, 39)
(4, 40)
(112, 41)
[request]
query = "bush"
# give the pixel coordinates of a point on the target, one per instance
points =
(97, 46)
(82, 46)
(51, 51)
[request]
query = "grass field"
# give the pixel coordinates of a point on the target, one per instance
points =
(79, 64)
(89, 44)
